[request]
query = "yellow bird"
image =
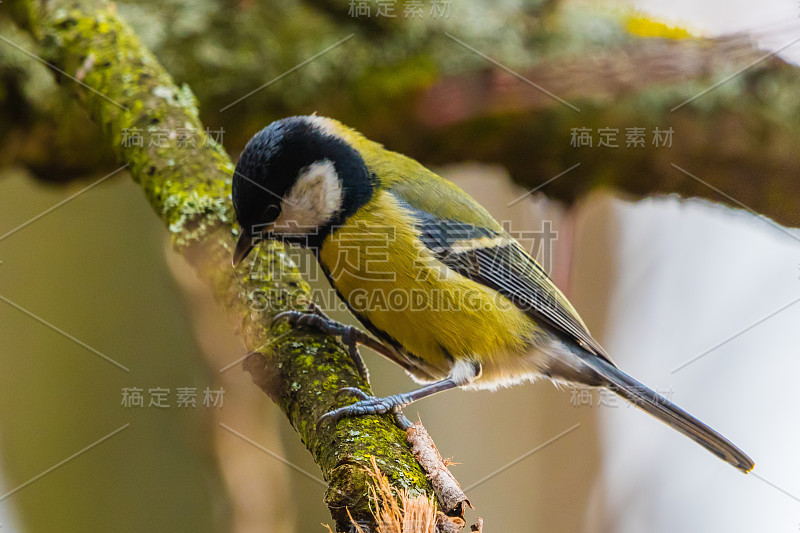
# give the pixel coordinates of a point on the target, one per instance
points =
(448, 293)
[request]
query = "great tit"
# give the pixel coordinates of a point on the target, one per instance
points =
(443, 287)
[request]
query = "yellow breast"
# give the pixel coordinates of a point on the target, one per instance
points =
(388, 276)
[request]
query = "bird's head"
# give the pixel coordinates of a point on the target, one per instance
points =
(295, 180)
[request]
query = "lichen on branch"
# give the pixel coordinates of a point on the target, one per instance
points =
(185, 177)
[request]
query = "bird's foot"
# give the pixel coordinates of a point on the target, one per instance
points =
(370, 405)
(313, 318)
(316, 319)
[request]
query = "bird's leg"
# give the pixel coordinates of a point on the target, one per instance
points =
(370, 405)
(351, 336)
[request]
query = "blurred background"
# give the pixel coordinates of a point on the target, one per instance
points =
(696, 299)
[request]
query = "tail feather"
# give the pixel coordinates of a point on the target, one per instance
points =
(667, 412)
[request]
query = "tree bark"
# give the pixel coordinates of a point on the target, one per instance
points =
(187, 182)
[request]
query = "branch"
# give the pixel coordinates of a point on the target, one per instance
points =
(187, 182)
(731, 108)
(424, 94)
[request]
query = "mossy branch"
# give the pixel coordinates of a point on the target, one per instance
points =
(729, 106)
(187, 182)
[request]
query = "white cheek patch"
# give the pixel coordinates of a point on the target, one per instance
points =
(313, 200)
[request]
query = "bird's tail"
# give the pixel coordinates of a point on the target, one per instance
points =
(667, 412)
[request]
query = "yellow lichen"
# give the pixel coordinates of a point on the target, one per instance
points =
(643, 26)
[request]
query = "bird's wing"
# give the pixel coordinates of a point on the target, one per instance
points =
(488, 255)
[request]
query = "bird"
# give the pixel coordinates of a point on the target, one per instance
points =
(440, 286)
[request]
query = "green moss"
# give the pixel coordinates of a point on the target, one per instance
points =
(188, 186)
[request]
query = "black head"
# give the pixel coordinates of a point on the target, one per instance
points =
(295, 180)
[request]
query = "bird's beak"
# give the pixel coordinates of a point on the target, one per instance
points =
(243, 247)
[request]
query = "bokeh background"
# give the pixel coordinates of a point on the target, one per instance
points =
(660, 281)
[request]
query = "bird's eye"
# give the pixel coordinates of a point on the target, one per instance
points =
(271, 213)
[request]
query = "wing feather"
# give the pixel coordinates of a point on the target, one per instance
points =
(491, 257)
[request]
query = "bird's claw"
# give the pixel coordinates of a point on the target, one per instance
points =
(313, 318)
(292, 316)
(314, 315)
(368, 405)
(352, 391)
